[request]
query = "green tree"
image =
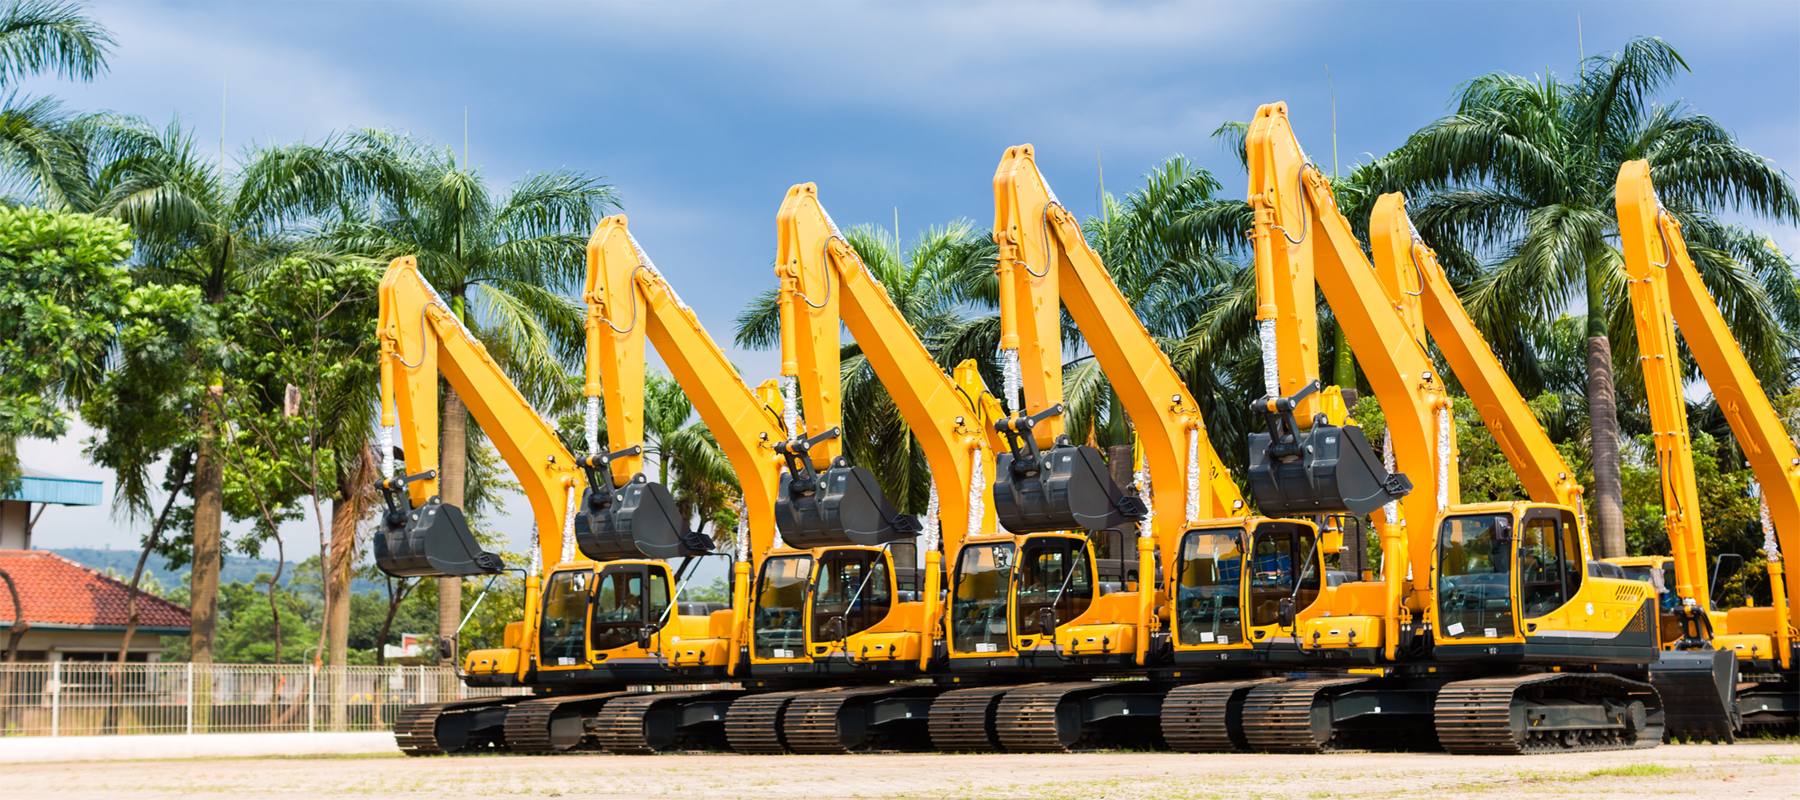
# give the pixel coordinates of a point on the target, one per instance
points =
(505, 265)
(202, 228)
(1523, 172)
(62, 288)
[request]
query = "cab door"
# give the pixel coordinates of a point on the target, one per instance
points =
(1476, 578)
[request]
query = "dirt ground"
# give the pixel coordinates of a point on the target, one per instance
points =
(1755, 769)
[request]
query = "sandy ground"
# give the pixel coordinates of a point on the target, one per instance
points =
(1755, 770)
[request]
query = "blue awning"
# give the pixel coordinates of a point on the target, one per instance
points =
(41, 487)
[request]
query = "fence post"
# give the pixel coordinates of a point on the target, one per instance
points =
(312, 685)
(189, 698)
(55, 698)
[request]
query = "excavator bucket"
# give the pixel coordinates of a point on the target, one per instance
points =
(639, 520)
(1063, 488)
(1698, 689)
(1327, 470)
(431, 540)
(841, 506)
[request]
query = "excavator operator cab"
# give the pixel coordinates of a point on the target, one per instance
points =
(591, 610)
(1329, 469)
(637, 520)
(428, 541)
(853, 589)
(1067, 487)
(843, 505)
(1284, 576)
(1053, 582)
(1502, 567)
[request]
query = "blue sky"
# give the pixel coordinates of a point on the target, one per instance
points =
(703, 114)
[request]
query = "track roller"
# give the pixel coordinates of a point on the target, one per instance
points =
(857, 719)
(647, 724)
(1207, 717)
(552, 724)
(962, 720)
(753, 724)
(435, 729)
(1293, 716)
(1088, 715)
(1546, 713)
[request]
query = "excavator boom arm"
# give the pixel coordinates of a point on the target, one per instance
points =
(421, 339)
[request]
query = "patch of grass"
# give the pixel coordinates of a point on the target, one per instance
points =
(1635, 771)
(1781, 759)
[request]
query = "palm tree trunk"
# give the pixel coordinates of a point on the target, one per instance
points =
(209, 510)
(347, 509)
(1343, 362)
(1603, 422)
(452, 466)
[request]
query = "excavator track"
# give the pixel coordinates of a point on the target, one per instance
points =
(1287, 717)
(623, 727)
(753, 724)
(1496, 715)
(815, 724)
(529, 724)
(415, 728)
(962, 720)
(1028, 719)
(1207, 717)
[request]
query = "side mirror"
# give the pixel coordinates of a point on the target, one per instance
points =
(1046, 620)
(834, 630)
(446, 648)
(1284, 612)
(646, 635)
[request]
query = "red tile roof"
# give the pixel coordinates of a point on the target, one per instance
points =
(59, 593)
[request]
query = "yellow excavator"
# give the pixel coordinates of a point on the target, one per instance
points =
(1210, 584)
(1493, 636)
(1666, 291)
(604, 609)
(872, 611)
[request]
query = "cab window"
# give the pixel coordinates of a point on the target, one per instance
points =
(978, 606)
(1053, 573)
(1284, 564)
(855, 585)
(562, 637)
(1207, 595)
(618, 607)
(1475, 576)
(779, 631)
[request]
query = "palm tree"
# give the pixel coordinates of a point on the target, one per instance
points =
(507, 265)
(929, 283)
(1522, 173)
(198, 225)
(41, 146)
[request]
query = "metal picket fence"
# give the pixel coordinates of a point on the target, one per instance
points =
(86, 698)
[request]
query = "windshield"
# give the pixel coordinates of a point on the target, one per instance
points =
(562, 638)
(781, 606)
(852, 584)
(1475, 583)
(1276, 550)
(1206, 599)
(978, 607)
(1053, 573)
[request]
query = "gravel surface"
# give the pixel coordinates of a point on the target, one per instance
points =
(1744, 770)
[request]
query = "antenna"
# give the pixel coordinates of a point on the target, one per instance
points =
(896, 232)
(1333, 89)
(224, 87)
(1102, 198)
(465, 137)
(1579, 46)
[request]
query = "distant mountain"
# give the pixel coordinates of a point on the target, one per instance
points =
(235, 569)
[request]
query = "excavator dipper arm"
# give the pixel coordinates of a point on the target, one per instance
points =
(630, 302)
(1657, 260)
(421, 339)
